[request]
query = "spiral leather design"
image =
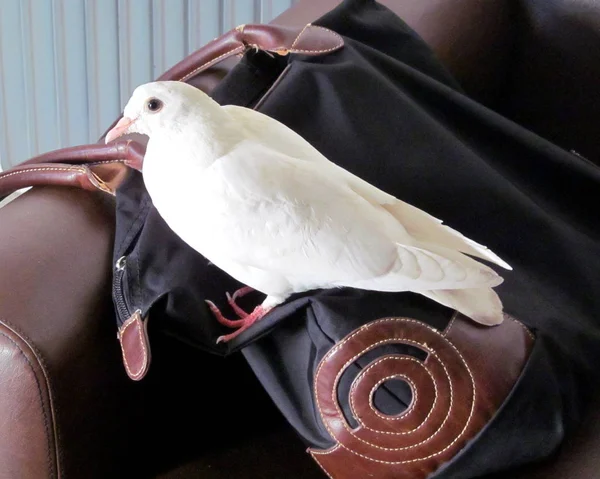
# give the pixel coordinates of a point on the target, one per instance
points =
(453, 394)
(434, 383)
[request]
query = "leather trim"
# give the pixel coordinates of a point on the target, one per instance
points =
(310, 40)
(31, 358)
(468, 373)
(90, 167)
(107, 176)
(45, 174)
(130, 152)
(135, 346)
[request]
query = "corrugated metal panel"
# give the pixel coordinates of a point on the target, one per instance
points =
(67, 66)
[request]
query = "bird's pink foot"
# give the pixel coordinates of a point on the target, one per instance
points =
(241, 324)
(235, 323)
(244, 324)
(238, 294)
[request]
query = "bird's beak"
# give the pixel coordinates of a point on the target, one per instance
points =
(119, 129)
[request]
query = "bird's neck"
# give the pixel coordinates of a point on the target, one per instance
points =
(176, 159)
(199, 142)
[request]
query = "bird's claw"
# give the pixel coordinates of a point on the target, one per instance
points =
(238, 294)
(248, 321)
(222, 319)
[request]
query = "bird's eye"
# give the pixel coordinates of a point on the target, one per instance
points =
(154, 105)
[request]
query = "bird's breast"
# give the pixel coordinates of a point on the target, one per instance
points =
(208, 212)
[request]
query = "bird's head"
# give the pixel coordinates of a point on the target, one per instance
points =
(158, 106)
(176, 117)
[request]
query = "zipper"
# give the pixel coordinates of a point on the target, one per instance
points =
(123, 310)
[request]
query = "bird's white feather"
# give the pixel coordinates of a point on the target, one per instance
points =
(265, 206)
(480, 304)
(420, 224)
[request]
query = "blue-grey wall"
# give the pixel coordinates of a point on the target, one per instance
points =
(68, 66)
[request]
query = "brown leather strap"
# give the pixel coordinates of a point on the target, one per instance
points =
(91, 167)
(130, 152)
(102, 167)
(50, 174)
(310, 40)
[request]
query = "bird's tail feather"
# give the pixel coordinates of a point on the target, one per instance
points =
(480, 304)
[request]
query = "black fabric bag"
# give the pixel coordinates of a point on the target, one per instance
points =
(384, 108)
(393, 385)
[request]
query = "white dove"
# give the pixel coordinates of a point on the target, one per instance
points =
(262, 204)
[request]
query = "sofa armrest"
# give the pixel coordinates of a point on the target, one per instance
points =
(27, 442)
(61, 374)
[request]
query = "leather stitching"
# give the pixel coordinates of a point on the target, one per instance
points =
(299, 35)
(413, 402)
(74, 168)
(315, 453)
(525, 328)
(327, 50)
(51, 469)
(48, 168)
(450, 324)
(211, 62)
(241, 48)
(414, 343)
(404, 413)
(377, 343)
(128, 323)
(105, 162)
(328, 451)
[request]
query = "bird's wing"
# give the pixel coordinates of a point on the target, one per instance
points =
(272, 133)
(425, 228)
(421, 225)
(288, 217)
